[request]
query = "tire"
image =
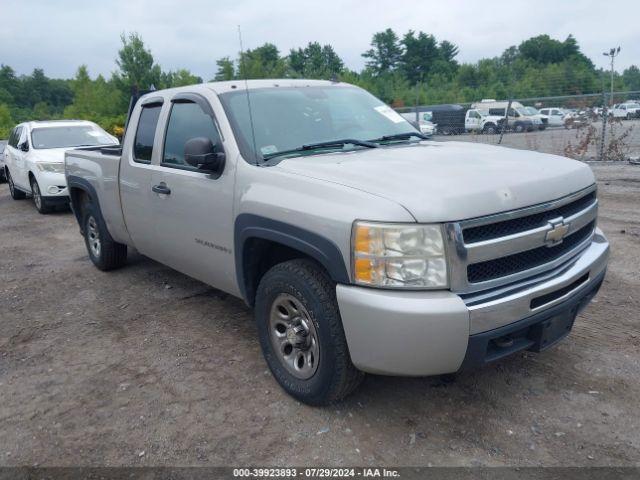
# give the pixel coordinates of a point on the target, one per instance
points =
(3, 177)
(629, 116)
(41, 204)
(104, 252)
(16, 194)
(297, 317)
(490, 129)
(519, 128)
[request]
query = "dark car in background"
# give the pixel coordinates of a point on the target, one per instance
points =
(3, 144)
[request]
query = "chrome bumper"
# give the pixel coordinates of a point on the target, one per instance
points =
(430, 333)
(510, 304)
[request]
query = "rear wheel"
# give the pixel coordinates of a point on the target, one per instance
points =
(301, 333)
(41, 203)
(16, 194)
(104, 252)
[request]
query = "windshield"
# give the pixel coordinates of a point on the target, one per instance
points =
(286, 118)
(531, 111)
(69, 136)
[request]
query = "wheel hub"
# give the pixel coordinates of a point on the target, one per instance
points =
(293, 336)
(298, 335)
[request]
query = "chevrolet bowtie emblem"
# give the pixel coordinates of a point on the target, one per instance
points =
(559, 230)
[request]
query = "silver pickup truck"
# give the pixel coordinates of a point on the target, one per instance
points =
(361, 246)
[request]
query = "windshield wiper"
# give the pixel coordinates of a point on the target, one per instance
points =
(400, 136)
(323, 145)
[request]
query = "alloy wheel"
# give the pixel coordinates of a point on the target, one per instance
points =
(37, 197)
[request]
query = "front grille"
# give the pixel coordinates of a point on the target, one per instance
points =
(522, 224)
(501, 267)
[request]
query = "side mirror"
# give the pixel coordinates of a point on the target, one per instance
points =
(24, 146)
(200, 152)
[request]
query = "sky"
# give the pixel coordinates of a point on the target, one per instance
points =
(60, 35)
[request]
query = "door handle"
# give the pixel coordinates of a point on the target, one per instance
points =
(162, 189)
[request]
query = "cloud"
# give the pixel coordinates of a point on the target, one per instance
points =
(58, 36)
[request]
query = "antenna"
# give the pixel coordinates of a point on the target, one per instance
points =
(246, 89)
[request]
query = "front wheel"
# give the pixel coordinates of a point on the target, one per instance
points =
(301, 333)
(41, 203)
(104, 252)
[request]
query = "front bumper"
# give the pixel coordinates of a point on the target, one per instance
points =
(53, 186)
(435, 332)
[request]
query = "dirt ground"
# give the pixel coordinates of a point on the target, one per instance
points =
(144, 366)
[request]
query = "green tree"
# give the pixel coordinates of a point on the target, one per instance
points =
(179, 78)
(6, 121)
(315, 61)
(631, 78)
(419, 55)
(262, 62)
(137, 67)
(385, 52)
(226, 69)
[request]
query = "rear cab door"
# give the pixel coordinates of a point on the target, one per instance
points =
(139, 151)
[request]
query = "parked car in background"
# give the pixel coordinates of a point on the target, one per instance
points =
(626, 110)
(480, 121)
(449, 118)
(533, 113)
(360, 246)
(3, 145)
(576, 119)
(424, 124)
(555, 116)
(518, 120)
(34, 158)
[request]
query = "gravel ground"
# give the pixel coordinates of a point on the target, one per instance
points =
(144, 366)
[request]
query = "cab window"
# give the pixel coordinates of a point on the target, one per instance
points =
(187, 120)
(145, 134)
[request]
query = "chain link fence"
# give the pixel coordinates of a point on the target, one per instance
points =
(595, 127)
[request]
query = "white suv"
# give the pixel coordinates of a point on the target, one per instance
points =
(34, 158)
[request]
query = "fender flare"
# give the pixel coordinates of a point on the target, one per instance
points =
(321, 249)
(81, 184)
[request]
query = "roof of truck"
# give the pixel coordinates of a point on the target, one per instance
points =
(232, 85)
(222, 87)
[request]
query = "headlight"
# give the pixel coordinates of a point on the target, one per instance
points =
(399, 255)
(56, 167)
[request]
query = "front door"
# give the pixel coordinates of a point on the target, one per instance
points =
(472, 120)
(16, 159)
(193, 211)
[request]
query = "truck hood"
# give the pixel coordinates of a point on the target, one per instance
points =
(447, 181)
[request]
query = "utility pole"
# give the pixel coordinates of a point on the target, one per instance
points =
(613, 53)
